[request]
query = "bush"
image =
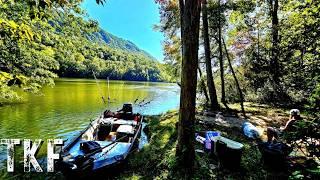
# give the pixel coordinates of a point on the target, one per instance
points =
(314, 100)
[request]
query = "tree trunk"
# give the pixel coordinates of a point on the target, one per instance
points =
(274, 5)
(223, 92)
(236, 80)
(203, 86)
(258, 56)
(190, 20)
(211, 87)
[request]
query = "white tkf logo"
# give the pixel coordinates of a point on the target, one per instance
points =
(30, 151)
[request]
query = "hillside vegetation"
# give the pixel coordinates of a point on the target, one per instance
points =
(38, 44)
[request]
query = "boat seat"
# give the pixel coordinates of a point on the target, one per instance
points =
(125, 129)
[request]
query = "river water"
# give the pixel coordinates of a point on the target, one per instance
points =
(64, 110)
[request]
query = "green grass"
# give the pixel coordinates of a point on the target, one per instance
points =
(157, 159)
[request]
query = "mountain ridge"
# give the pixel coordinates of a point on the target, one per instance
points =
(113, 41)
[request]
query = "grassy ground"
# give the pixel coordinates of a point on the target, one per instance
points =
(157, 159)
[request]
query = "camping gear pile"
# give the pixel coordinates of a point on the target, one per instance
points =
(227, 151)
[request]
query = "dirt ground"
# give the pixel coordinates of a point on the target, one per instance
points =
(261, 116)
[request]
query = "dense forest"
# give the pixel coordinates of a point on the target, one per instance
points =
(43, 40)
(273, 47)
(242, 51)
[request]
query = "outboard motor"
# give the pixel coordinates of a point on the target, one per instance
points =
(126, 111)
(127, 108)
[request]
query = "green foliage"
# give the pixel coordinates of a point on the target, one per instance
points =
(306, 135)
(298, 53)
(40, 41)
(6, 93)
(314, 100)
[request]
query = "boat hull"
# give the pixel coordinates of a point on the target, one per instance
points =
(112, 154)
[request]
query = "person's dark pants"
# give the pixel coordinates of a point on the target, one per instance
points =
(272, 133)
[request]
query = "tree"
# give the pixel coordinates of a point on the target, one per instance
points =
(274, 5)
(190, 22)
(223, 91)
(210, 83)
(203, 87)
(235, 78)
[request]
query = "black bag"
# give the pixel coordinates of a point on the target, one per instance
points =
(89, 146)
(274, 155)
(103, 131)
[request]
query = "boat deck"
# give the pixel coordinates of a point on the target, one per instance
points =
(114, 150)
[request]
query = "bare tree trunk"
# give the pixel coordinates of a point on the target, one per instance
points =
(258, 44)
(274, 5)
(190, 20)
(211, 87)
(236, 79)
(223, 92)
(203, 86)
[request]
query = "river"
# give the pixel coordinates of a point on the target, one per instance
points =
(65, 109)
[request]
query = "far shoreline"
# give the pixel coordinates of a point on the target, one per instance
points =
(105, 79)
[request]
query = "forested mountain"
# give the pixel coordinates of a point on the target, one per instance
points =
(113, 41)
(43, 40)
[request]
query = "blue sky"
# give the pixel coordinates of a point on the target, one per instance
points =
(130, 19)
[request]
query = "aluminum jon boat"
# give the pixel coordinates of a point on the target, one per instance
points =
(105, 142)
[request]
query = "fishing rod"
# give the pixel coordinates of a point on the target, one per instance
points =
(108, 93)
(144, 102)
(99, 88)
(135, 101)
